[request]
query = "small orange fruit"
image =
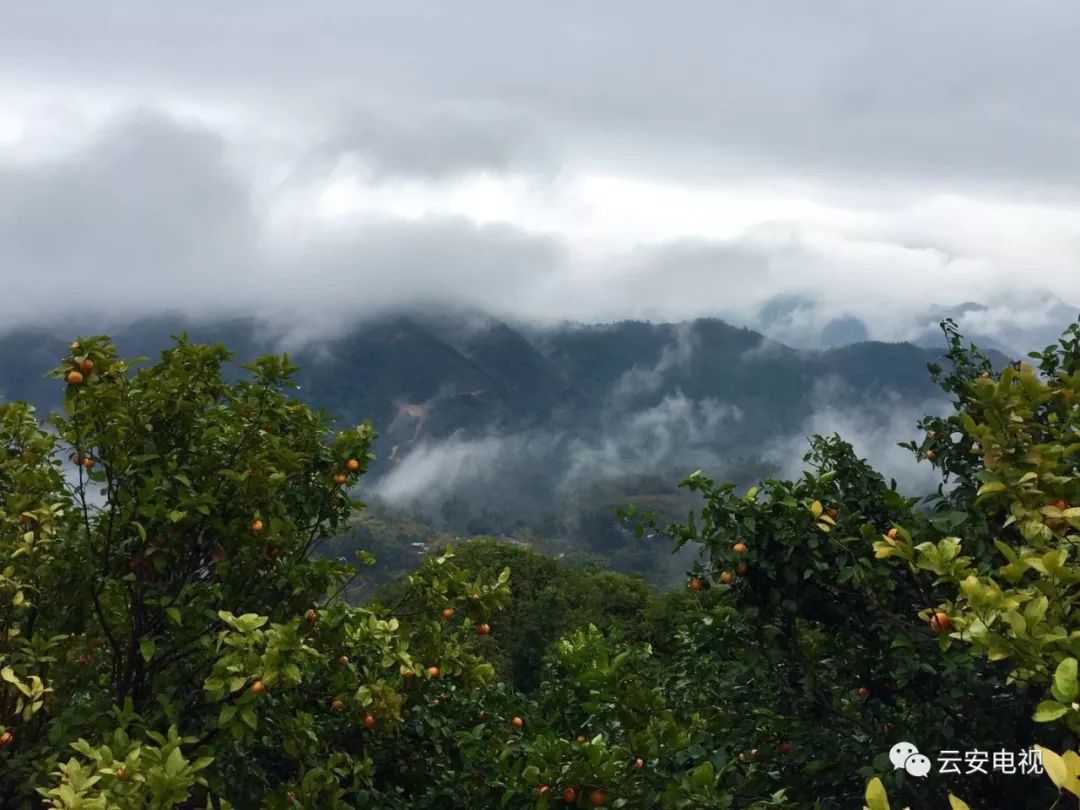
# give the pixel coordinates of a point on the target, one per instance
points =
(639, 763)
(311, 615)
(448, 613)
(256, 526)
(597, 798)
(581, 738)
(87, 365)
(864, 693)
(739, 548)
(931, 455)
(939, 622)
(369, 721)
(88, 463)
(337, 705)
(343, 660)
(5, 739)
(726, 577)
(340, 478)
(517, 722)
(569, 795)
(697, 585)
(258, 688)
(433, 672)
(483, 629)
(74, 378)
(352, 465)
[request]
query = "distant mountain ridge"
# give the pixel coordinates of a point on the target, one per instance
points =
(497, 424)
(1025, 321)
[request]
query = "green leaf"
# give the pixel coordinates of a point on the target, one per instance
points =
(146, 647)
(876, 798)
(991, 487)
(957, 804)
(703, 776)
(1055, 766)
(1064, 687)
(1048, 711)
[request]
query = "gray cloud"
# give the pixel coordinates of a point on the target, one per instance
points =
(440, 143)
(873, 425)
(152, 216)
(867, 160)
(924, 90)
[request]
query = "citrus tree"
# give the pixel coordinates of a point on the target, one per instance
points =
(838, 656)
(167, 633)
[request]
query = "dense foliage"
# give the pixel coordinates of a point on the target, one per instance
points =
(170, 635)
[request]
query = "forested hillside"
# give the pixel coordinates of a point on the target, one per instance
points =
(541, 433)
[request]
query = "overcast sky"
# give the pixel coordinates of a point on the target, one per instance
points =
(584, 160)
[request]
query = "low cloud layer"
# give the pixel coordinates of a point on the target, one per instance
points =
(316, 164)
(155, 212)
(873, 425)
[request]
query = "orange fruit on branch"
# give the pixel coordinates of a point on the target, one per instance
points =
(74, 378)
(939, 621)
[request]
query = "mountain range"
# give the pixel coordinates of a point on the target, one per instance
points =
(489, 426)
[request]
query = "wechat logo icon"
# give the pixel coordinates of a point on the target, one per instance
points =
(906, 755)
